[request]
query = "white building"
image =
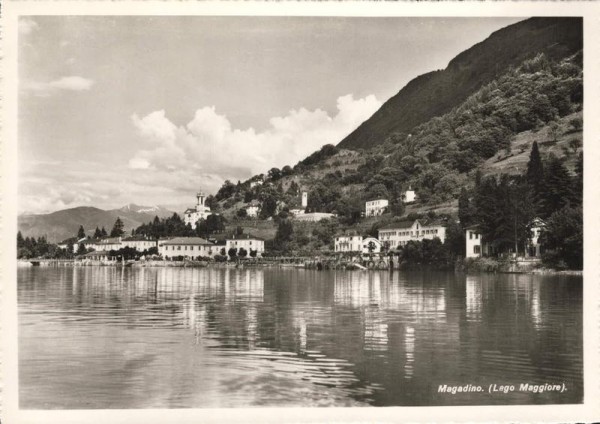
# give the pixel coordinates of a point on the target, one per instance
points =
(110, 243)
(259, 181)
(314, 216)
(201, 211)
(139, 243)
(409, 196)
(371, 245)
(296, 212)
(253, 210)
(74, 242)
(376, 207)
(473, 242)
(247, 242)
(398, 234)
(188, 247)
(304, 199)
(348, 243)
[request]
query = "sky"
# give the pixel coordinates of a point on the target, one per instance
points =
(150, 110)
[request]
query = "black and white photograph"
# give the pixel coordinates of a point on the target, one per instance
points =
(249, 212)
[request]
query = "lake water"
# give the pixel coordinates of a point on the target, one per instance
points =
(104, 337)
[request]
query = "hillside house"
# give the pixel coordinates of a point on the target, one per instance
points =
(314, 216)
(247, 242)
(253, 210)
(188, 247)
(200, 211)
(409, 196)
(398, 234)
(376, 207)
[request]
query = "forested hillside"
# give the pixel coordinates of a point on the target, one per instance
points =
(436, 93)
(539, 100)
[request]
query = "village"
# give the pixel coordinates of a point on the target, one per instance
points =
(351, 249)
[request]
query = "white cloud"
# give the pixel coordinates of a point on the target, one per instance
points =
(27, 26)
(209, 144)
(69, 83)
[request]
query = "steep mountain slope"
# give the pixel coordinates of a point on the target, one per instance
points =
(436, 93)
(62, 224)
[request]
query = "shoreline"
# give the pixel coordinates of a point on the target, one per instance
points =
(261, 264)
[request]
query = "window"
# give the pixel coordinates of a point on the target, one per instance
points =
(477, 249)
(470, 235)
(178, 247)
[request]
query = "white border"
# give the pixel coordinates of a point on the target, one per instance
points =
(589, 411)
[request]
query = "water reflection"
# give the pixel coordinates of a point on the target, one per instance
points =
(107, 337)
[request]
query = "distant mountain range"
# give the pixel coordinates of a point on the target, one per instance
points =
(57, 226)
(436, 93)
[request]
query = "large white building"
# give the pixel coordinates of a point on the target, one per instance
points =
(201, 211)
(139, 243)
(398, 234)
(348, 243)
(376, 207)
(188, 247)
(247, 242)
(110, 243)
(356, 243)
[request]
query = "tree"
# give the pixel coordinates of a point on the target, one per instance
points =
(535, 174)
(103, 232)
(242, 213)
(466, 209)
(558, 187)
(97, 233)
(20, 240)
(232, 252)
(80, 233)
(563, 236)
(287, 170)
(212, 224)
(274, 174)
(242, 253)
(117, 230)
(226, 191)
(284, 234)
(253, 253)
(268, 208)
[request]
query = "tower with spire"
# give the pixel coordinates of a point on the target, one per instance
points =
(200, 211)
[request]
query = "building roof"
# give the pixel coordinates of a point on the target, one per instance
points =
(69, 240)
(110, 240)
(137, 238)
(398, 225)
(408, 224)
(187, 241)
(243, 237)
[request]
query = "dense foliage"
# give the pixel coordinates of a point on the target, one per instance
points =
(436, 93)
